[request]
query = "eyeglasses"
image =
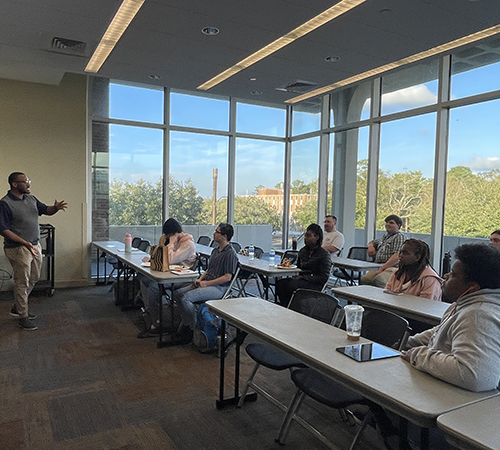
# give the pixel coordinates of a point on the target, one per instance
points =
(27, 181)
(494, 239)
(217, 231)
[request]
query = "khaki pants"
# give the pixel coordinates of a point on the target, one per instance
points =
(27, 269)
(379, 280)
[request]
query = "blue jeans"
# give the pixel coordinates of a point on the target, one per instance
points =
(187, 297)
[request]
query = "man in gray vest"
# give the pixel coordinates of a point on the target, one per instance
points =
(19, 213)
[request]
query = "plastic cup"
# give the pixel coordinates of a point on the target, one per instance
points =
(353, 319)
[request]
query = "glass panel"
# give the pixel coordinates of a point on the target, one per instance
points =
(136, 175)
(306, 117)
(406, 172)
(135, 103)
(199, 112)
(304, 185)
(259, 189)
(357, 99)
(362, 135)
(198, 176)
(262, 120)
(473, 180)
(476, 70)
(410, 88)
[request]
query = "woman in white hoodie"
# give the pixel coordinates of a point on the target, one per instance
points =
(464, 349)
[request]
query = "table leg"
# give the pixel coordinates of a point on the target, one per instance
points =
(221, 402)
(403, 434)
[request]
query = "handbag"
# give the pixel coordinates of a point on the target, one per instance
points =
(159, 258)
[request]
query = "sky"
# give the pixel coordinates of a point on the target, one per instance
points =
(406, 144)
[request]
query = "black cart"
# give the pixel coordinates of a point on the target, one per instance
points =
(47, 241)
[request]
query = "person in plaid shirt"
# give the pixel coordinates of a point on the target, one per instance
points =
(386, 252)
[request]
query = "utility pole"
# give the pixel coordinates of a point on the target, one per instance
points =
(214, 196)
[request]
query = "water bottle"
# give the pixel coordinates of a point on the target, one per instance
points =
(128, 243)
(272, 258)
(251, 252)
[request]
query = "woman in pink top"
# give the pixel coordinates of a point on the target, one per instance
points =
(415, 276)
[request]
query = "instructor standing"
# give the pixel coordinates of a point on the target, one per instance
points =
(19, 213)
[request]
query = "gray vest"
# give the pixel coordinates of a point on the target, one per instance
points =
(24, 219)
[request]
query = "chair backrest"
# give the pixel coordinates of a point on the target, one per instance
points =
(144, 245)
(136, 241)
(214, 244)
(360, 253)
(258, 252)
(204, 240)
(385, 327)
(236, 246)
(291, 255)
(318, 305)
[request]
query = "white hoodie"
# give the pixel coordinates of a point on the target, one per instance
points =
(464, 349)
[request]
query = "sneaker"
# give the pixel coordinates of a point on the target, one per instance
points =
(26, 324)
(14, 313)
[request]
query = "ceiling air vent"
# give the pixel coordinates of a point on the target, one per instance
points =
(68, 46)
(298, 87)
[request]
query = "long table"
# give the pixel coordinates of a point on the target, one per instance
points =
(353, 265)
(408, 306)
(260, 267)
(133, 261)
(473, 427)
(391, 383)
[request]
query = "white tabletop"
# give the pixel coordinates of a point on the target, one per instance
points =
(134, 261)
(474, 426)
(355, 264)
(409, 306)
(392, 382)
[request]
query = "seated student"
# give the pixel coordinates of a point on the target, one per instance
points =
(333, 240)
(315, 263)
(386, 252)
(211, 285)
(182, 251)
(495, 239)
(464, 349)
(415, 276)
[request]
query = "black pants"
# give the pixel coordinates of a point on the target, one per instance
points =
(285, 287)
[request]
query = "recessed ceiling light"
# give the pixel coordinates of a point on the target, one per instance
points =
(332, 58)
(154, 77)
(210, 31)
(256, 92)
(386, 12)
(253, 78)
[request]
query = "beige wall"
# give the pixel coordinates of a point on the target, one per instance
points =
(43, 132)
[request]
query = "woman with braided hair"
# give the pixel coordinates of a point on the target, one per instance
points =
(415, 276)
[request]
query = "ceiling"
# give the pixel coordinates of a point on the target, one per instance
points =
(165, 39)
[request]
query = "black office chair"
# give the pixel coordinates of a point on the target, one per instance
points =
(204, 240)
(359, 253)
(379, 326)
(144, 245)
(136, 241)
(319, 306)
(291, 255)
(236, 246)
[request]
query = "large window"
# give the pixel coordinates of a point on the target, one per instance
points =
(254, 119)
(135, 103)
(473, 178)
(304, 184)
(198, 178)
(406, 172)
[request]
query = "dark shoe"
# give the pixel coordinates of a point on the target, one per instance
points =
(145, 334)
(14, 313)
(184, 336)
(26, 324)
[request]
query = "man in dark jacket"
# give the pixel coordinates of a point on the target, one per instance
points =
(315, 263)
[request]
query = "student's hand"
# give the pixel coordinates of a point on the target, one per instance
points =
(32, 249)
(406, 354)
(60, 205)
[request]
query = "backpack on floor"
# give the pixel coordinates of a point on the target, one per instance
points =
(207, 329)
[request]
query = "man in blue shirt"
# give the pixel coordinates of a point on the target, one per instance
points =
(19, 211)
